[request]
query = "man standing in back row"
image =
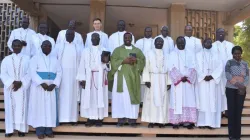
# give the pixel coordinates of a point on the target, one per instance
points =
(116, 39)
(97, 24)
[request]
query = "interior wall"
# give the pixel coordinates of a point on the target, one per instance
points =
(136, 18)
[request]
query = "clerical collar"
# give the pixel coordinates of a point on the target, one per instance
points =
(17, 55)
(25, 29)
(164, 37)
(41, 34)
(121, 31)
(148, 38)
(207, 50)
(97, 46)
(128, 47)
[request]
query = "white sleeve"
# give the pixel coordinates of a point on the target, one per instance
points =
(5, 77)
(11, 38)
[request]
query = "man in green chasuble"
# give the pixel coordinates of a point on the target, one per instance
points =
(127, 63)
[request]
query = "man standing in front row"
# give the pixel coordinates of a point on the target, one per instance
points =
(127, 63)
(69, 54)
(155, 76)
(209, 71)
(46, 75)
(182, 107)
(92, 75)
(16, 80)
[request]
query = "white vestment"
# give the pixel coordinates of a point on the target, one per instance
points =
(209, 96)
(37, 41)
(15, 68)
(116, 40)
(23, 35)
(94, 98)
(145, 45)
(193, 45)
(61, 38)
(224, 50)
(182, 107)
(69, 54)
(121, 102)
(42, 104)
(156, 98)
(168, 44)
(103, 39)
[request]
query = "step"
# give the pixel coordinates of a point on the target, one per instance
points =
(74, 137)
(244, 120)
(112, 129)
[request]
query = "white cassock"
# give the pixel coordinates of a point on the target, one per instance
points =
(209, 96)
(37, 41)
(43, 104)
(69, 54)
(193, 45)
(168, 44)
(94, 98)
(15, 68)
(23, 35)
(116, 40)
(224, 50)
(103, 39)
(182, 107)
(156, 98)
(145, 45)
(122, 100)
(61, 38)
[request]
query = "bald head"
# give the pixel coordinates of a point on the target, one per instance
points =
(25, 22)
(188, 30)
(164, 31)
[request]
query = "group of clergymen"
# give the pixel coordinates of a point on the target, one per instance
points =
(183, 83)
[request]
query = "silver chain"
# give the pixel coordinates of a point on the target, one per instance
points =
(17, 77)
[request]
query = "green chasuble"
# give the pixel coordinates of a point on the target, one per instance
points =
(131, 73)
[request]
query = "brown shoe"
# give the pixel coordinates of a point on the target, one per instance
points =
(41, 137)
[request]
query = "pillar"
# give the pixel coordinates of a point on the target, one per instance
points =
(229, 28)
(176, 20)
(97, 10)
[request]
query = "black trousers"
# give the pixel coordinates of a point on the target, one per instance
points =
(235, 104)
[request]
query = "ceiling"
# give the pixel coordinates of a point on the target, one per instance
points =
(216, 5)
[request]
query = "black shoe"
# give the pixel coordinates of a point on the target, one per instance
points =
(50, 135)
(202, 127)
(74, 124)
(175, 126)
(210, 128)
(161, 125)
(134, 125)
(21, 134)
(8, 135)
(98, 123)
(120, 124)
(150, 125)
(89, 123)
(190, 126)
